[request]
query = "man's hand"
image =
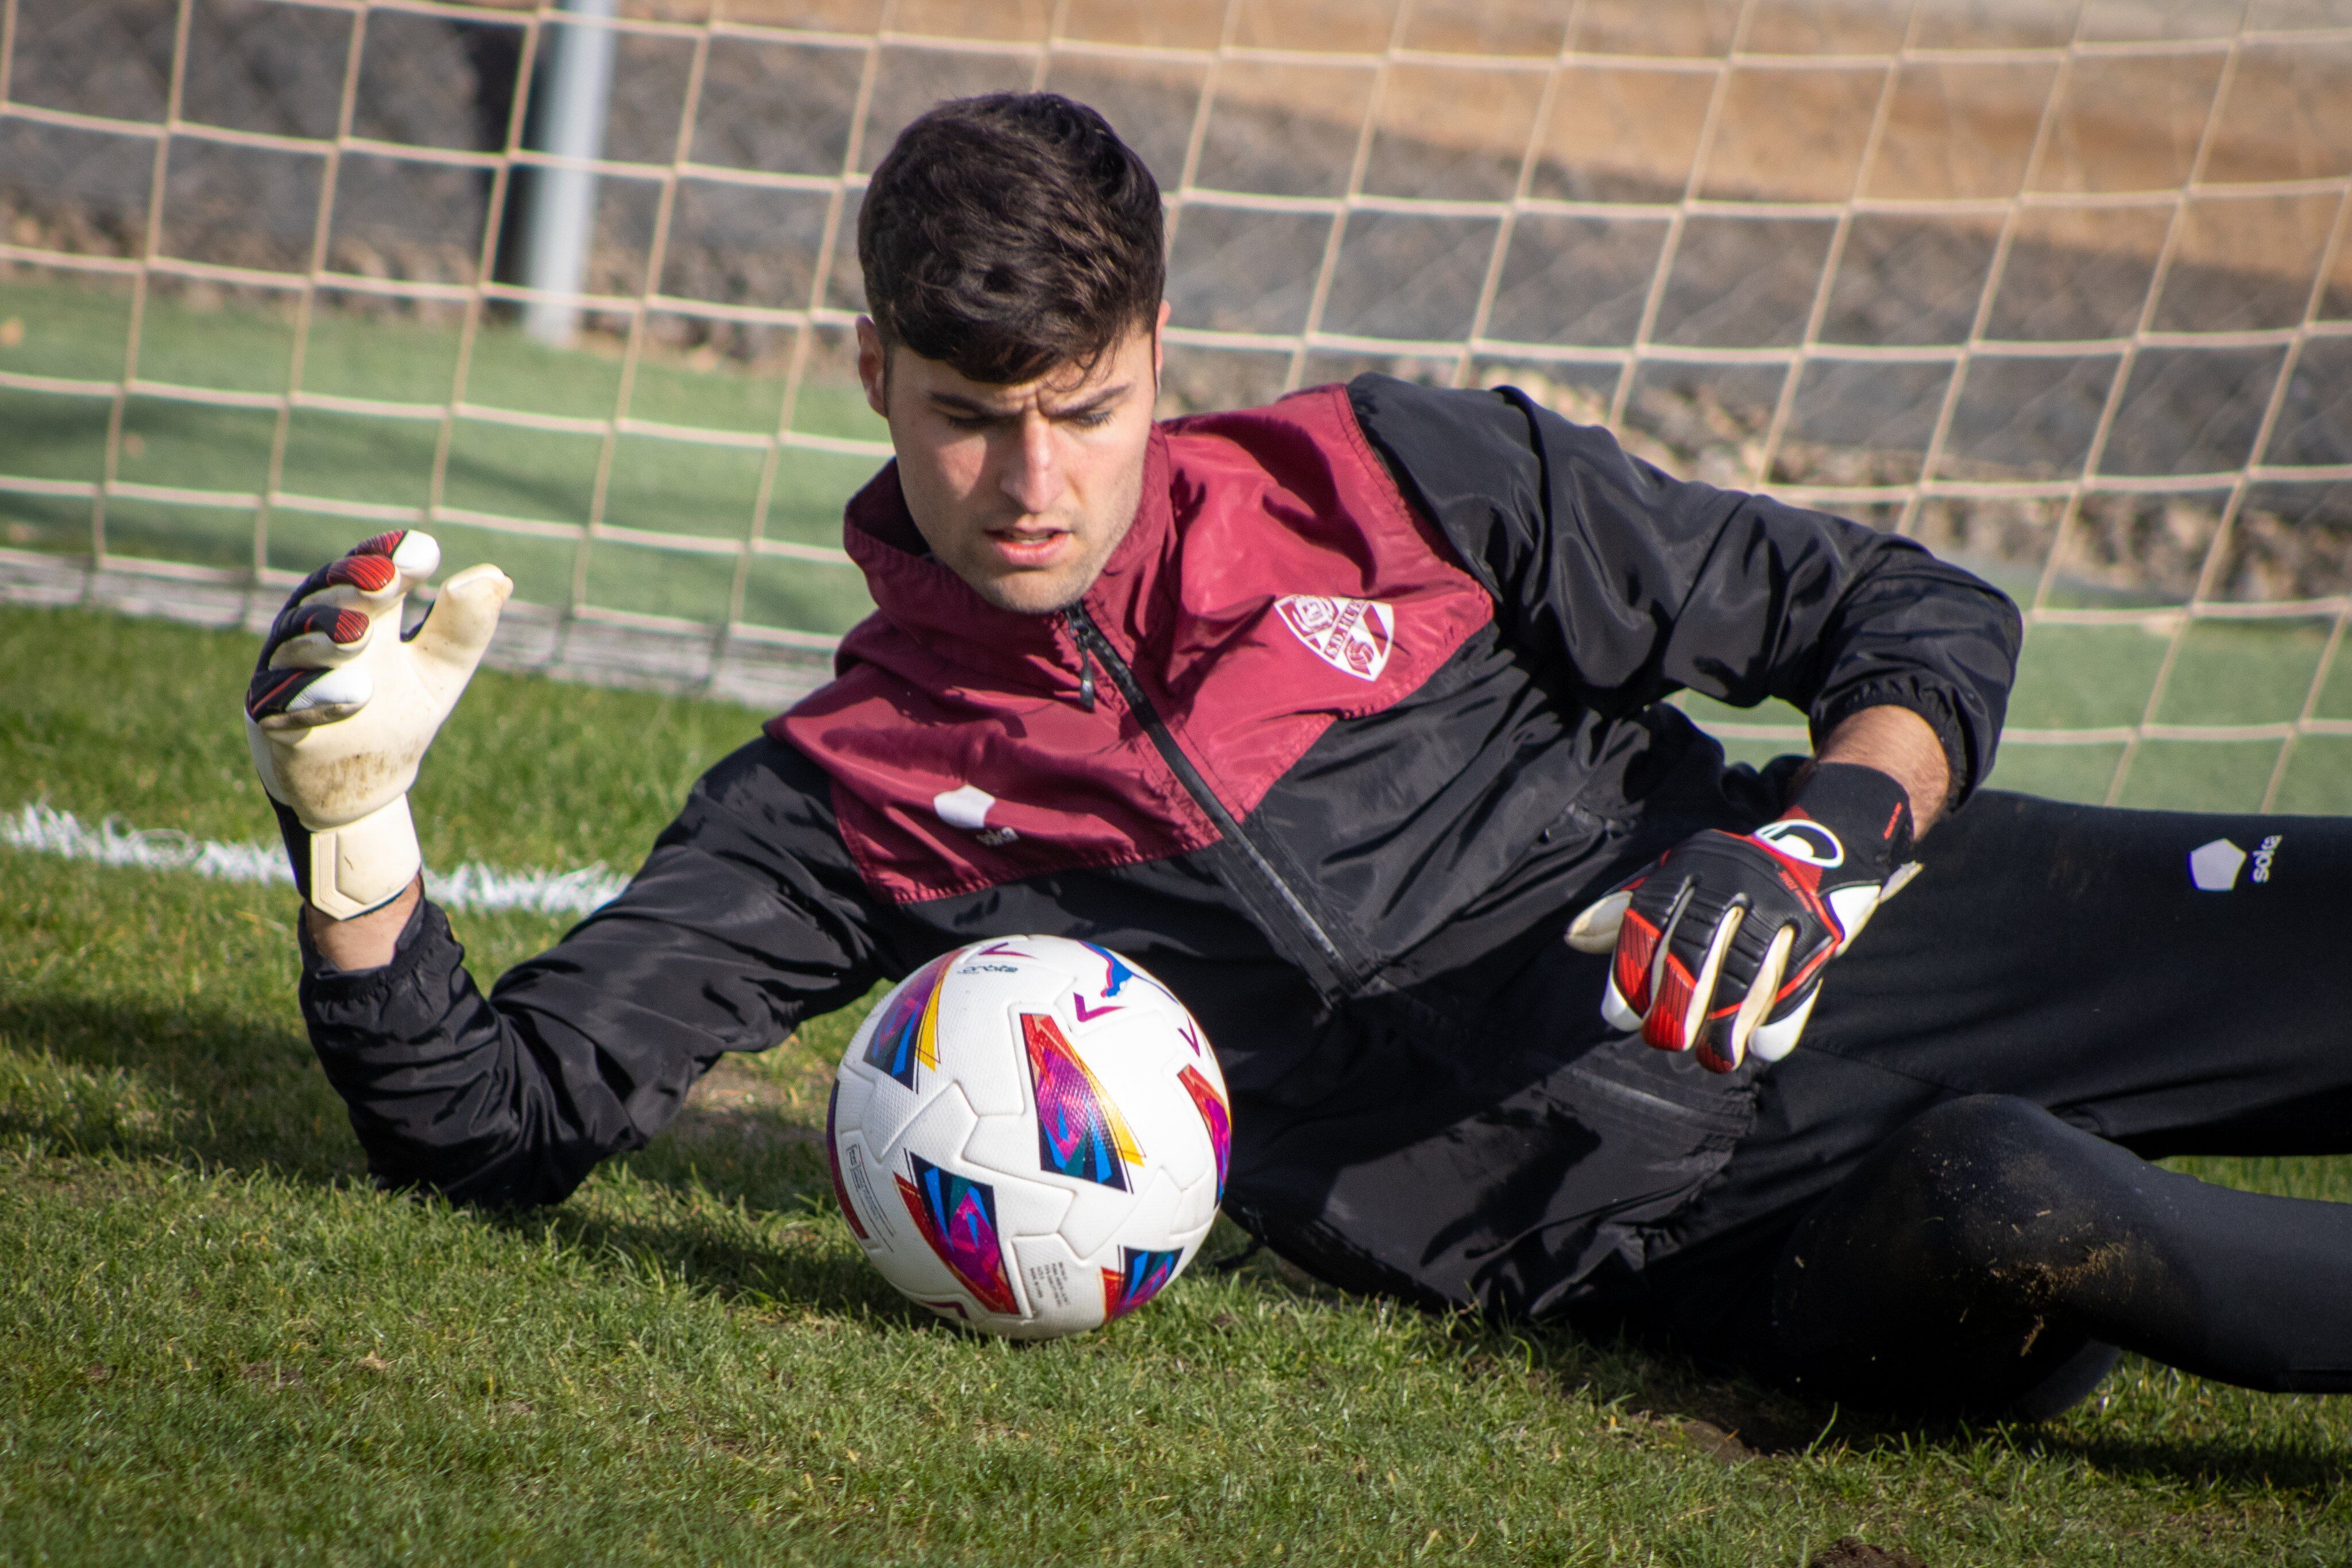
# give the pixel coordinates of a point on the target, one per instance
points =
(1721, 945)
(342, 708)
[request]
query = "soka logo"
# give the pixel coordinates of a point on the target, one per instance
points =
(1350, 634)
(1804, 842)
(2215, 867)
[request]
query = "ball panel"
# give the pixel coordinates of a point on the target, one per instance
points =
(1063, 1295)
(911, 1259)
(956, 1214)
(1140, 1273)
(976, 1051)
(905, 1034)
(1003, 1150)
(1153, 1217)
(1095, 1216)
(1081, 1133)
(861, 1184)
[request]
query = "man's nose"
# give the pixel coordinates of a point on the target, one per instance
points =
(1033, 471)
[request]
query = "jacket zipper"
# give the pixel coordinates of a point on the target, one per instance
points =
(1092, 643)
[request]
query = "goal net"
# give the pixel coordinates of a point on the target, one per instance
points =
(2062, 288)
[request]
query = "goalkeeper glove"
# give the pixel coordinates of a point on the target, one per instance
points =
(1721, 945)
(341, 707)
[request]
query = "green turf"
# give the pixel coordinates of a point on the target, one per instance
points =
(222, 1346)
(79, 330)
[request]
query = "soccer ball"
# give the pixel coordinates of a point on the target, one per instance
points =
(1029, 1136)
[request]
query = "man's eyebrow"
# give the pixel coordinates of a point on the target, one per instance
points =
(956, 403)
(1101, 398)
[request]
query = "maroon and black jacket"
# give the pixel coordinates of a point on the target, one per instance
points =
(1364, 708)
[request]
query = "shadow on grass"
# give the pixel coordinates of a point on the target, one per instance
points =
(89, 1075)
(818, 1276)
(2286, 1464)
(217, 1086)
(1734, 1419)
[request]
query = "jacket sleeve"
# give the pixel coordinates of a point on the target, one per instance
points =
(1629, 585)
(746, 917)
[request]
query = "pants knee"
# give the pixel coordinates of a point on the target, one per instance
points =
(1986, 1210)
(1985, 1189)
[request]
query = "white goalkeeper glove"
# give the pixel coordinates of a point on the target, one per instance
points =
(342, 708)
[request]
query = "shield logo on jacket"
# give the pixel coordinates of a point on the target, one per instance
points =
(1350, 634)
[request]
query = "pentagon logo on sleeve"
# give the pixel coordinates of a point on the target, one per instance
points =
(2214, 867)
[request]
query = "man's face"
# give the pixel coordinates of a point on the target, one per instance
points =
(1023, 491)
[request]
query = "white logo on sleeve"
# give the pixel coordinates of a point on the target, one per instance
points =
(1354, 635)
(2214, 867)
(967, 807)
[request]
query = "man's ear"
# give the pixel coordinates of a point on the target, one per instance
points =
(873, 366)
(1160, 344)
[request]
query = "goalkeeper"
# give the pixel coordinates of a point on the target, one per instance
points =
(1345, 715)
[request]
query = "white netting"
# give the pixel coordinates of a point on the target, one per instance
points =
(2063, 289)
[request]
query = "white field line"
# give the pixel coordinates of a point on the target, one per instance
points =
(42, 829)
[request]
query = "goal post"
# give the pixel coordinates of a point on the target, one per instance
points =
(2062, 291)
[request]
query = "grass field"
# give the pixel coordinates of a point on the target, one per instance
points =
(222, 1346)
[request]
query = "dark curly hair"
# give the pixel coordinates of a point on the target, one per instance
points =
(1009, 234)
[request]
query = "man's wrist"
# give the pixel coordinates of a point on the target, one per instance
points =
(1866, 811)
(368, 941)
(1901, 744)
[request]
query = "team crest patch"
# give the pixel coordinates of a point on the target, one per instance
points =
(1350, 634)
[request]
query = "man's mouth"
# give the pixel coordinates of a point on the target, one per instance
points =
(1027, 547)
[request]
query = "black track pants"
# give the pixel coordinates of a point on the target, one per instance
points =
(1944, 1202)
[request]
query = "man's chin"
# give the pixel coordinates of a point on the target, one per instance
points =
(1030, 592)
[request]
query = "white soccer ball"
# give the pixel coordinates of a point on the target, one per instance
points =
(1029, 1136)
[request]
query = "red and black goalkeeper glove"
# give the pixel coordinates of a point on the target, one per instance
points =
(1721, 945)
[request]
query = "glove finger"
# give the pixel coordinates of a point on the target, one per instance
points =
(1757, 1002)
(298, 699)
(372, 575)
(1640, 941)
(1617, 1012)
(1743, 959)
(1804, 973)
(1678, 1011)
(417, 555)
(1677, 1019)
(1671, 978)
(367, 586)
(1771, 1042)
(1595, 929)
(316, 636)
(455, 634)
